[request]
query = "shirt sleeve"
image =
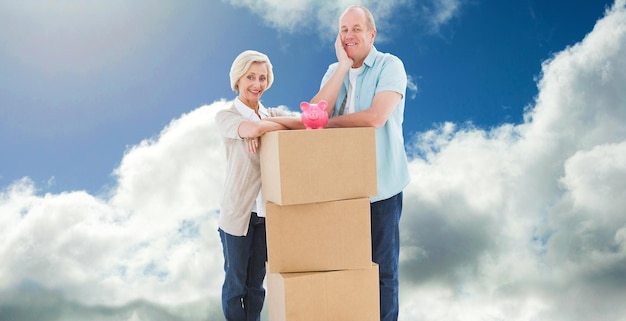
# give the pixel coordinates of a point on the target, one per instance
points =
(393, 76)
(228, 122)
(329, 72)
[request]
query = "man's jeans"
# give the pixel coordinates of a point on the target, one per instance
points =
(386, 251)
(244, 266)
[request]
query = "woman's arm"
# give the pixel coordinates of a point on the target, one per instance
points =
(288, 122)
(254, 129)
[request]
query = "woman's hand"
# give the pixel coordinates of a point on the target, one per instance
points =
(253, 144)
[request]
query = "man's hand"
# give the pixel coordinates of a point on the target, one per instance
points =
(340, 51)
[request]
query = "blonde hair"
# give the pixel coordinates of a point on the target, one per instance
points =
(369, 18)
(242, 64)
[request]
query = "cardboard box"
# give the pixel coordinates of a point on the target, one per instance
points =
(319, 236)
(324, 296)
(310, 166)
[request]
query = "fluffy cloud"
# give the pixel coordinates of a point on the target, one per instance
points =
(527, 222)
(151, 245)
(518, 222)
(289, 15)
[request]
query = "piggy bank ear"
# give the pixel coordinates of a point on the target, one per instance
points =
(323, 104)
(304, 105)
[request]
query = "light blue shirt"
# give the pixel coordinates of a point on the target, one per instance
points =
(382, 72)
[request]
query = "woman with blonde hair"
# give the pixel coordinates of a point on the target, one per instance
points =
(242, 213)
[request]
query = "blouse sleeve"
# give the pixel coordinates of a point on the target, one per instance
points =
(228, 122)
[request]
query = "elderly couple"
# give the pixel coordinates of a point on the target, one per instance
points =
(364, 88)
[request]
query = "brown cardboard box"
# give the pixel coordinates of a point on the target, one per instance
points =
(348, 295)
(310, 166)
(319, 236)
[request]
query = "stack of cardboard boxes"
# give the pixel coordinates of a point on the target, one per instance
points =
(317, 184)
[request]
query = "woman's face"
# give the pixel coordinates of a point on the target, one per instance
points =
(252, 84)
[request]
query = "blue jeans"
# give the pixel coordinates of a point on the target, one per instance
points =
(386, 251)
(244, 266)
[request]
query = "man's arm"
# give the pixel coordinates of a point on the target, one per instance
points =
(376, 116)
(330, 90)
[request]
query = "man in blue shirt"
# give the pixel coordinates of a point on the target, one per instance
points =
(366, 88)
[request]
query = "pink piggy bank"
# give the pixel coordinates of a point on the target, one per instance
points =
(314, 116)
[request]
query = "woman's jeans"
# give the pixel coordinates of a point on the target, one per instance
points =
(386, 250)
(244, 266)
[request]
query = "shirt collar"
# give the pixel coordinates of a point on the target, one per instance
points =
(248, 112)
(369, 60)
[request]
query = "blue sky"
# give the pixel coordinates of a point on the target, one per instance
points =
(111, 165)
(81, 82)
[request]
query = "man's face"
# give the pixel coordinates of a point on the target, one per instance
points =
(356, 37)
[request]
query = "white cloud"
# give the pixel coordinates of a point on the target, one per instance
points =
(291, 15)
(153, 239)
(439, 13)
(527, 222)
(411, 87)
(519, 222)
